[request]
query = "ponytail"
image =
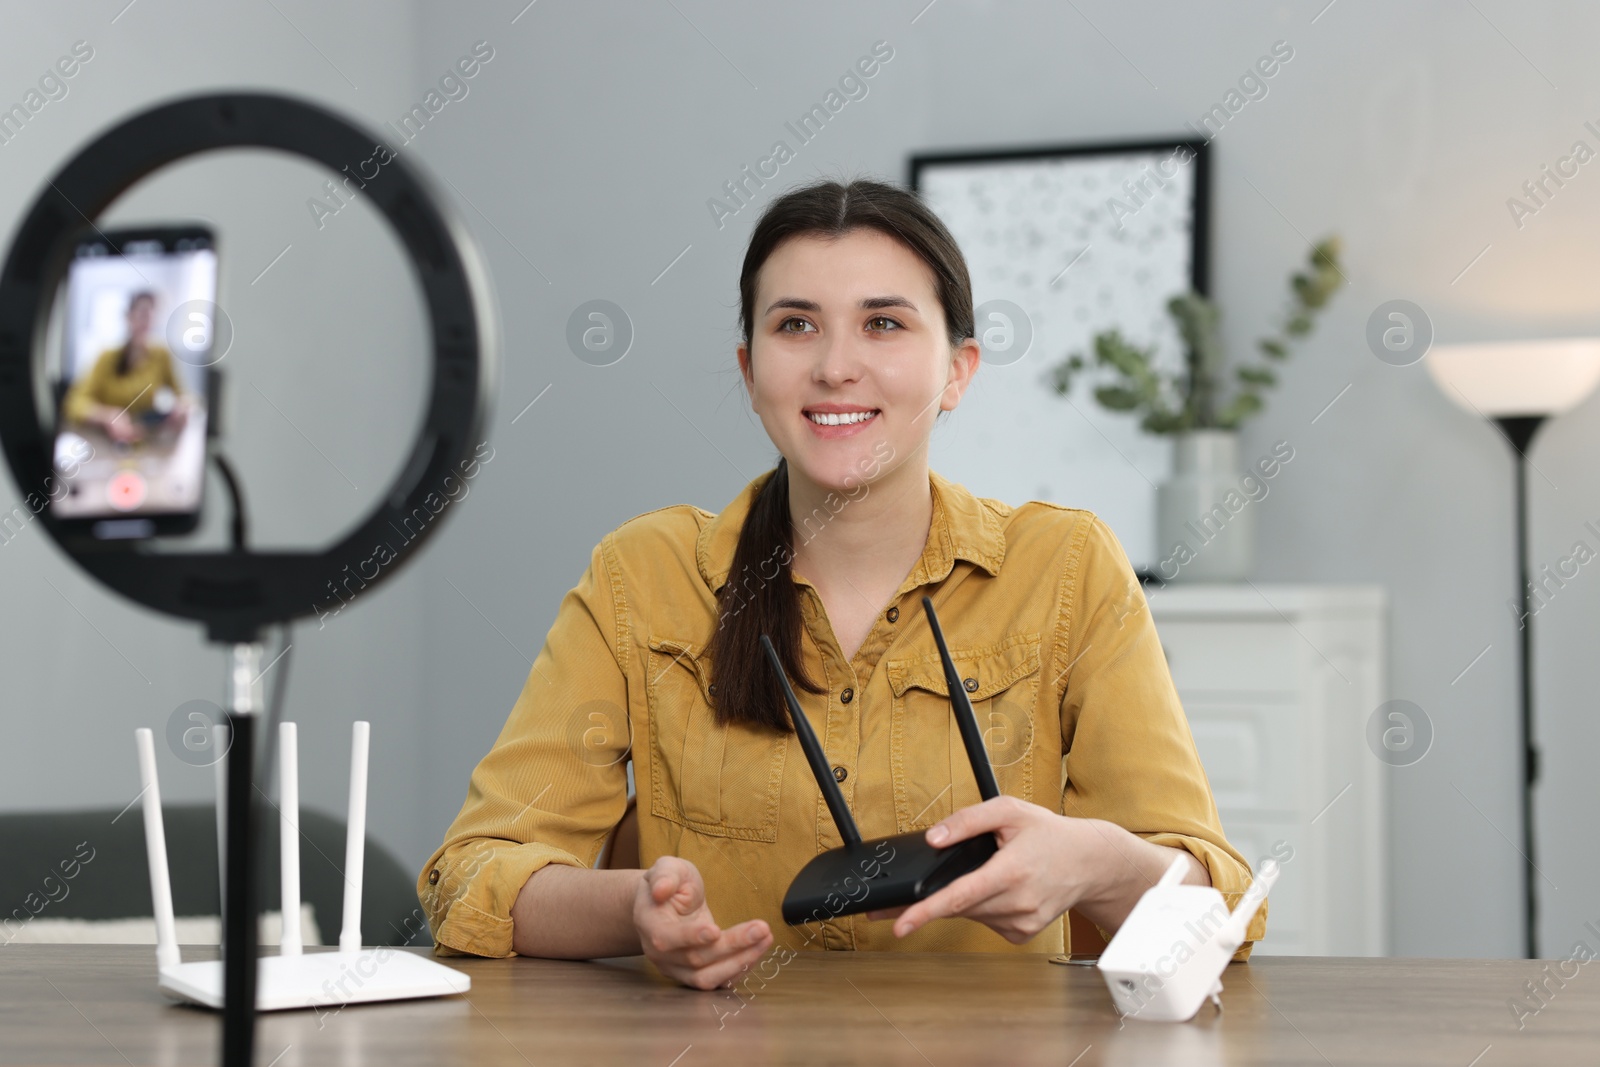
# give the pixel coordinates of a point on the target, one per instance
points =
(744, 687)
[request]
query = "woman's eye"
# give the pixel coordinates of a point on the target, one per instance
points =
(784, 326)
(881, 323)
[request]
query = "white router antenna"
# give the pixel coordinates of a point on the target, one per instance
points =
(1238, 923)
(219, 748)
(289, 944)
(1175, 871)
(155, 843)
(355, 838)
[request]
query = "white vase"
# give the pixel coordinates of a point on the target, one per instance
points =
(1205, 522)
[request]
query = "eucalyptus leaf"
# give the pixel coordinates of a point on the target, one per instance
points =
(1118, 398)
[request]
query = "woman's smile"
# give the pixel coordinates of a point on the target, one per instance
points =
(829, 421)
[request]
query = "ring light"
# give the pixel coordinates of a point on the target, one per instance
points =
(236, 593)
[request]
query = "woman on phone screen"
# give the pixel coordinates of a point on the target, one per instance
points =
(133, 388)
(857, 319)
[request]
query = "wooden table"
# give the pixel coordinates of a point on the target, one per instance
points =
(75, 1004)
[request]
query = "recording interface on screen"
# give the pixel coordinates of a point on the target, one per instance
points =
(140, 331)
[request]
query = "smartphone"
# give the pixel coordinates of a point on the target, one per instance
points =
(138, 342)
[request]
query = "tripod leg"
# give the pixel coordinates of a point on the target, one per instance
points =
(239, 927)
(239, 910)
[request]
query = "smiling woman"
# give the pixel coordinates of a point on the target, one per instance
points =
(860, 304)
(856, 321)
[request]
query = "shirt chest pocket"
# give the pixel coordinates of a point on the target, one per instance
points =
(713, 779)
(932, 775)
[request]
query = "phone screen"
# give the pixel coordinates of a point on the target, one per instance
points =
(139, 337)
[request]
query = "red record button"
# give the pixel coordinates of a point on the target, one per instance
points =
(125, 490)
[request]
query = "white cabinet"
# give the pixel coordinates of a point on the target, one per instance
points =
(1279, 682)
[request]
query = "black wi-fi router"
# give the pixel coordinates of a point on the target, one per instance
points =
(886, 872)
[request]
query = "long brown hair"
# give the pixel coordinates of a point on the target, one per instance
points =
(125, 356)
(754, 602)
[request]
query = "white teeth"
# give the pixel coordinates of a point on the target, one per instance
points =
(844, 419)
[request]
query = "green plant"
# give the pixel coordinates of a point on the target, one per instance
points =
(1194, 399)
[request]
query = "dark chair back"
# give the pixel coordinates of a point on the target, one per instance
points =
(91, 865)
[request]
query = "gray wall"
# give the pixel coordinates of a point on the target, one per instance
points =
(586, 152)
(325, 358)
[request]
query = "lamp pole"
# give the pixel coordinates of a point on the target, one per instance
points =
(1519, 431)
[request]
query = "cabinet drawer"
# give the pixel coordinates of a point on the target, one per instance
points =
(1234, 657)
(1250, 751)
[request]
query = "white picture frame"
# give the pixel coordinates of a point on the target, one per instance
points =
(1062, 243)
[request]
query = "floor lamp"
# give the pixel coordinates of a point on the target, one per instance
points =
(1518, 385)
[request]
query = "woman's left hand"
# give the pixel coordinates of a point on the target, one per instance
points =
(1047, 863)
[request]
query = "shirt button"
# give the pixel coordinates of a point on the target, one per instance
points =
(433, 876)
(712, 689)
(847, 696)
(894, 614)
(971, 685)
(840, 774)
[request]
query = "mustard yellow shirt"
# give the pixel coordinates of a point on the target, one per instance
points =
(134, 391)
(1044, 619)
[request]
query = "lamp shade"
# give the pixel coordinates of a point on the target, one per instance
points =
(1498, 378)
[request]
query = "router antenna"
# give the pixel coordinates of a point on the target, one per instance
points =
(355, 840)
(290, 943)
(814, 754)
(155, 845)
(1174, 873)
(988, 788)
(1239, 921)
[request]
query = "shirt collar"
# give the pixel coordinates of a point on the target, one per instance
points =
(962, 528)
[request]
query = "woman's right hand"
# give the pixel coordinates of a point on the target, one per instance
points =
(679, 935)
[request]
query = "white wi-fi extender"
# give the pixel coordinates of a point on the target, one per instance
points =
(294, 978)
(1169, 954)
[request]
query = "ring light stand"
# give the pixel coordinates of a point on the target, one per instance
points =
(235, 594)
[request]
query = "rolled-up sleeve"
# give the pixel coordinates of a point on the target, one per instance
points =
(84, 393)
(1131, 759)
(554, 785)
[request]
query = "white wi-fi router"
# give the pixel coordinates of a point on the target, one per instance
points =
(1168, 956)
(292, 979)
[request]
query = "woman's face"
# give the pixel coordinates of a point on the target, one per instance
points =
(139, 317)
(850, 325)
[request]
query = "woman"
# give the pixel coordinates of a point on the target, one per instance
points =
(130, 389)
(857, 320)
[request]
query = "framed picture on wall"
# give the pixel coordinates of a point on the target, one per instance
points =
(1063, 243)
